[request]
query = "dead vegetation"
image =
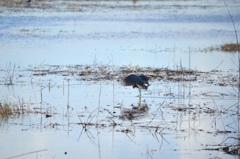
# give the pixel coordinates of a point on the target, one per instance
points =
(230, 47)
(113, 73)
(233, 149)
(105, 72)
(12, 109)
(72, 6)
(5, 110)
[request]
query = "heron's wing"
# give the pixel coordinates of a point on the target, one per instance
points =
(144, 78)
(131, 80)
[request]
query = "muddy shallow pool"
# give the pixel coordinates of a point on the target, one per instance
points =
(62, 62)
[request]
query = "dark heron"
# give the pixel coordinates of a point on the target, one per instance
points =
(136, 80)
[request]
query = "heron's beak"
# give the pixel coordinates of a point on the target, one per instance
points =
(146, 86)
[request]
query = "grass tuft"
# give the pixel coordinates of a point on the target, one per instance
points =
(230, 47)
(5, 110)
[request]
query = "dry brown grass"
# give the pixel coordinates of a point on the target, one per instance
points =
(230, 47)
(5, 110)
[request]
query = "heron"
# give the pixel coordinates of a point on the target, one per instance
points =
(136, 80)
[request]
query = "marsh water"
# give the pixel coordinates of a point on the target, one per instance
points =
(61, 63)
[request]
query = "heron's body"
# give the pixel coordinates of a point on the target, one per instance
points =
(136, 80)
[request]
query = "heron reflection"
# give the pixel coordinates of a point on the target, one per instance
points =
(140, 81)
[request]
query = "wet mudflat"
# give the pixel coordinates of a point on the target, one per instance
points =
(62, 62)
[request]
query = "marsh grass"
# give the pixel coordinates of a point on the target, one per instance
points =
(230, 47)
(227, 48)
(5, 110)
(20, 108)
(100, 72)
(8, 109)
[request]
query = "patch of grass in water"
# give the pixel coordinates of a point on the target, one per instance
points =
(5, 110)
(8, 108)
(230, 47)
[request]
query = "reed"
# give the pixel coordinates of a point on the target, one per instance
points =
(10, 74)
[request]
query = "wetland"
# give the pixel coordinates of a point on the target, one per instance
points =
(61, 65)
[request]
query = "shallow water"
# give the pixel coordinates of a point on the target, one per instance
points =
(47, 49)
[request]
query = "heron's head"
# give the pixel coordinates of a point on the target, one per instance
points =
(146, 85)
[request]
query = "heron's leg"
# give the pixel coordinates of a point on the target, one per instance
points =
(139, 98)
(139, 102)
